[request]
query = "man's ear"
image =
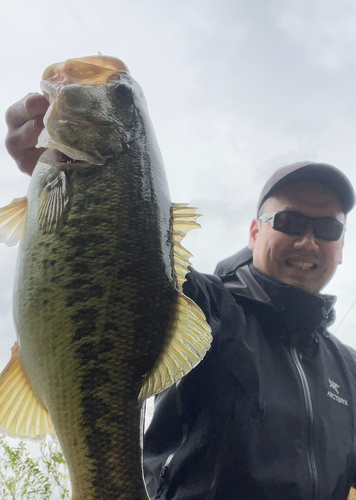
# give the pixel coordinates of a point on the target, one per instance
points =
(254, 230)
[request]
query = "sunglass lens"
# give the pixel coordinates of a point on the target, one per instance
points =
(327, 228)
(290, 223)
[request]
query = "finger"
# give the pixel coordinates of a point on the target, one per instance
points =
(26, 109)
(29, 159)
(24, 137)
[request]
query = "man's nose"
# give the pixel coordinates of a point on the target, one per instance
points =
(307, 240)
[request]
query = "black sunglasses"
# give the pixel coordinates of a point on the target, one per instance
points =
(297, 224)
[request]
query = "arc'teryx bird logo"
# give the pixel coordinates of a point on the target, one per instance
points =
(334, 386)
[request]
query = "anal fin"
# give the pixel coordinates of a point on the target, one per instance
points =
(21, 415)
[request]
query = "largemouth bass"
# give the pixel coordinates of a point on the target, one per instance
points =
(100, 316)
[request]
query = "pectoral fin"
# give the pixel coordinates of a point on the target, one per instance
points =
(54, 204)
(21, 415)
(12, 221)
(185, 346)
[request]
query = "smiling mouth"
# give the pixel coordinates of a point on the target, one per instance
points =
(297, 264)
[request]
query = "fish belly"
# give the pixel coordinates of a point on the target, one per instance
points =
(92, 305)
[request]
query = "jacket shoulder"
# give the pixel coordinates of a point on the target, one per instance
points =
(230, 264)
(347, 352)
(198, 283)
(208, 292)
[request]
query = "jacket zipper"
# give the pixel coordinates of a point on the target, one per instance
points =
(309, 407)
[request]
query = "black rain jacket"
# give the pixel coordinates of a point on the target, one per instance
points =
(269, 414)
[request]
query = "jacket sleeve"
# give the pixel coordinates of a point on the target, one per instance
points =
(207, 291)
(166, 430)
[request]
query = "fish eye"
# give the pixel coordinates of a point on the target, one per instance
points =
(124, 93)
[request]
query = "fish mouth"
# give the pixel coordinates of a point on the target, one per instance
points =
(64, 153)
(63, 158)
(77, 160)
(59, 159)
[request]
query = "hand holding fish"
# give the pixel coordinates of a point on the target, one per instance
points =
(25, 122)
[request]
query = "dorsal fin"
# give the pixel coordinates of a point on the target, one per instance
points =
(184, 220)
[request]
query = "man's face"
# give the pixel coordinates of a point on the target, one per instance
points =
(302, 261)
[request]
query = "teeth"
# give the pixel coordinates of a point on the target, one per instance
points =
(296, 264)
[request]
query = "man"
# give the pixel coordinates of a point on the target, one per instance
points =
(270, 412)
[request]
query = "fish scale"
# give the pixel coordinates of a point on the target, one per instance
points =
(100, 316)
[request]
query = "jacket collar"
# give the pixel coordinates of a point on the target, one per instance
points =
(303, 313)
(228, 266)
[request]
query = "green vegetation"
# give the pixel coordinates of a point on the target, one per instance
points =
(23, 477)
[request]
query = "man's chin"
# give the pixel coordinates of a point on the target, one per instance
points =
(306, 278)
(307, 283)
(310, 280)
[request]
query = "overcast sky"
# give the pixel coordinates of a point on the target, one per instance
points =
(235, 89)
